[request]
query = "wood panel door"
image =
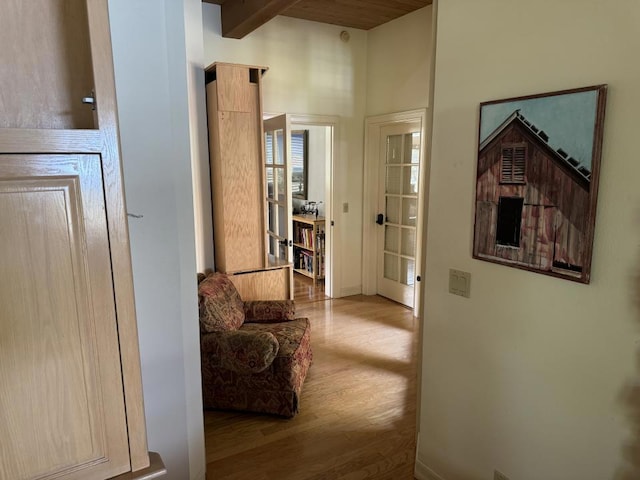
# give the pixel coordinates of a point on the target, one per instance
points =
(62, 411)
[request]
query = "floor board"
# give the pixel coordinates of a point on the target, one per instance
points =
(305, 291)
(357, 415)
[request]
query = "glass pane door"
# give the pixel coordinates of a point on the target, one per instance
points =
(278, 195)
(399, 201)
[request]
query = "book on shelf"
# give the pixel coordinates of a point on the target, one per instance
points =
(304, 261)
(304, 236)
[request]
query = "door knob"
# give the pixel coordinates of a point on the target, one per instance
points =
(380, 219)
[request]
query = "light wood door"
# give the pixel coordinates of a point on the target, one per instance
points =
(62, 409)
(277, 174)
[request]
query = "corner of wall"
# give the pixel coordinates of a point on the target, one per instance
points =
(423, 472)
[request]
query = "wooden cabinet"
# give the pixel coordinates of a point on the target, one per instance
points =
(70, 386)
(308, 246)
(268, 284)
(236, 152)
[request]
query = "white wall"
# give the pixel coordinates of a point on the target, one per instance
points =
(151, 54)
(398, 80)
(399, 64)
(199, 135)
(311, 71)
(532, 375)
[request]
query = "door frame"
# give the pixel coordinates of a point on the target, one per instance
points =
(333, 271)
(332, 277)
(373, 128)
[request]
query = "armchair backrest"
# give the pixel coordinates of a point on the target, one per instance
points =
(220, 305)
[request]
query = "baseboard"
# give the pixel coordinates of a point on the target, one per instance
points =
(349, 291)
(422, 472)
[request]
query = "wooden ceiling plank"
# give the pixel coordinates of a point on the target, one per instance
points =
(363, 14)
(239, 18)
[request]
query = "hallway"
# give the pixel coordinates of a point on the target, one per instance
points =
(358, 406)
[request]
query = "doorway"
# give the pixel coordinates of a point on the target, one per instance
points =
(393, 217)
(320, 133)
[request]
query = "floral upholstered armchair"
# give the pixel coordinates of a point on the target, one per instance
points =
(255, 355)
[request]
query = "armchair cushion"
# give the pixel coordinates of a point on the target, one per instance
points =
(267, 311)
(221, 308)
(240, 351)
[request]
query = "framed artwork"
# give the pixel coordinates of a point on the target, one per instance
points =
(537, 181)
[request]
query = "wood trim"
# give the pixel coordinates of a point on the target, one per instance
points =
(598, 138)
(101, 53)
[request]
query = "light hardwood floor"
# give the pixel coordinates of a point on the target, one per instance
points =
(304, 291)
(357, 415)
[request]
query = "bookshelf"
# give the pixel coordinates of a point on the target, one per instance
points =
(308, 246)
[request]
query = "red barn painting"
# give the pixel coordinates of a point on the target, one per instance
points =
(535, 203)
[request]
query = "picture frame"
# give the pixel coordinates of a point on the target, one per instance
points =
(538, 169)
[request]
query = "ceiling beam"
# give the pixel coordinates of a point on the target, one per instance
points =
(241, 17)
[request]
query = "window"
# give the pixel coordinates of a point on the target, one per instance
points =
(299, 159)
(509, 221)
(513, 161)
(299, 163)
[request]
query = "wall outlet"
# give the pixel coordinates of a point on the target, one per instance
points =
(460, 283)
(499, 476)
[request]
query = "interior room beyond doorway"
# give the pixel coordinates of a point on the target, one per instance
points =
(311, 160)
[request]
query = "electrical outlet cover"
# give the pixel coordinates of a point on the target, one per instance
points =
(459, 283)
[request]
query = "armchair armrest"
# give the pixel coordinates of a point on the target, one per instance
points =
(269, 311)
(242, 352)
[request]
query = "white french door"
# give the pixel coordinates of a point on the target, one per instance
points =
(398, 203)
(277, 138)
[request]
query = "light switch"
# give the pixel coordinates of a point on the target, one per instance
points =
(345, 207)
(459, 282)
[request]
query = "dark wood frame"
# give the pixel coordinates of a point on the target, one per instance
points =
(486, 188)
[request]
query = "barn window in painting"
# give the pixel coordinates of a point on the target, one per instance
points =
(509, 221)
(537, 181)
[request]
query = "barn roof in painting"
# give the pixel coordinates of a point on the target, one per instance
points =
(541, 136)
